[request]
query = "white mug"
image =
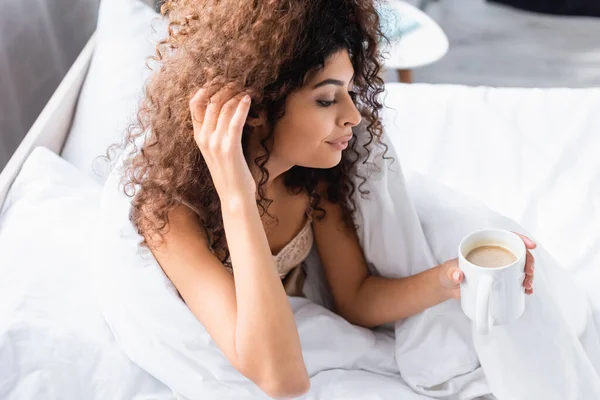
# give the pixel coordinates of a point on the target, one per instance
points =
(492, 296)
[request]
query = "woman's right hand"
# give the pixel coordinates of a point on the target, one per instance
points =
(451, 277)
(218, 123)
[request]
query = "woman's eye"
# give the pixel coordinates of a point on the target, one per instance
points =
(324, 103)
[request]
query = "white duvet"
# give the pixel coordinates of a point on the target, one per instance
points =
(54, 343)
(555, 344)
(121, 332)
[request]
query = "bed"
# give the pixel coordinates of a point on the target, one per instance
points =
(529, 154)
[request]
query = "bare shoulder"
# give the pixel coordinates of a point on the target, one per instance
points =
(182, 224)
(184, 248)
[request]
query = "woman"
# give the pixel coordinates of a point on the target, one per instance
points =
(255, 118)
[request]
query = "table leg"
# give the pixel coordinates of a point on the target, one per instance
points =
(405, 76)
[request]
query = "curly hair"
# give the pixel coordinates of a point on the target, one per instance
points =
(267, 48)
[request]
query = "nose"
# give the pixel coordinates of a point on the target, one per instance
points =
(351, 116)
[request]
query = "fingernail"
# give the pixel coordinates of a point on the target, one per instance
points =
(246, 99)
(456, 275)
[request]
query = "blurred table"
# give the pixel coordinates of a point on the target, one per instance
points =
(422, 46)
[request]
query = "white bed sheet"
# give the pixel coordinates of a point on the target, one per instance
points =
(56, 337)
(55, 344)
(529, 154)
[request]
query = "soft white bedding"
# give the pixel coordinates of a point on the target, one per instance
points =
(54, 344)
(528, 154)
(158, 332)
(435, 354)
(53, 331)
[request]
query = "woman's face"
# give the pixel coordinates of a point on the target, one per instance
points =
(319, 117)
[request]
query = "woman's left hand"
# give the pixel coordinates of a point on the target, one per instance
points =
(451, 276)
(529, 263)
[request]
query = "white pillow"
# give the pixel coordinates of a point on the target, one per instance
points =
(53, 340)
(113, 87)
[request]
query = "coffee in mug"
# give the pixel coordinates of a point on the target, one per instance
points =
(491, 256)
(493, 263)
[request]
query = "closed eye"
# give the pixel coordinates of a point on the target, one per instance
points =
(325, 103)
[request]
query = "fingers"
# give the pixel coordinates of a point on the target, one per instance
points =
(529, 264)
(212, 117)
(530, 244)
(455, 275)
(198, 105)
(529, 273)
(213, 110)
(239, 119)
(227, 113)
(528, 282)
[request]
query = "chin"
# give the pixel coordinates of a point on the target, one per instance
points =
(320, 159)
(335, 162)
(326, 162)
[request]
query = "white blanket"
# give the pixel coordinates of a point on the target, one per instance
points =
(552, 352)
(54, 344)
(549, 353)
(51, 331)
(159, 333)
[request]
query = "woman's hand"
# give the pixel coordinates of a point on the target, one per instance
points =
(529, 263)
(218, 123)
(451, 276)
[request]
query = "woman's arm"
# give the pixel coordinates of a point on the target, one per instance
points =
(365, 299)
(249, 316)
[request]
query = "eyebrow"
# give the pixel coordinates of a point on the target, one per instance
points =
(335, 82)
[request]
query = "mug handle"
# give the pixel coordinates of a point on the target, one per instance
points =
(483, 320)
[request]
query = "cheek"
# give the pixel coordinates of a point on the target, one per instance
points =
(305, 130)
(300, 141)
(304, 144)
(300, 137)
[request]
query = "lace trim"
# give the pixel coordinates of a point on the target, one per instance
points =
(292, 253)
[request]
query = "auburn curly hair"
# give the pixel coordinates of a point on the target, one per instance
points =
(266, 48)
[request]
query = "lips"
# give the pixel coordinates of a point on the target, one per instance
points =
(341, 140)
